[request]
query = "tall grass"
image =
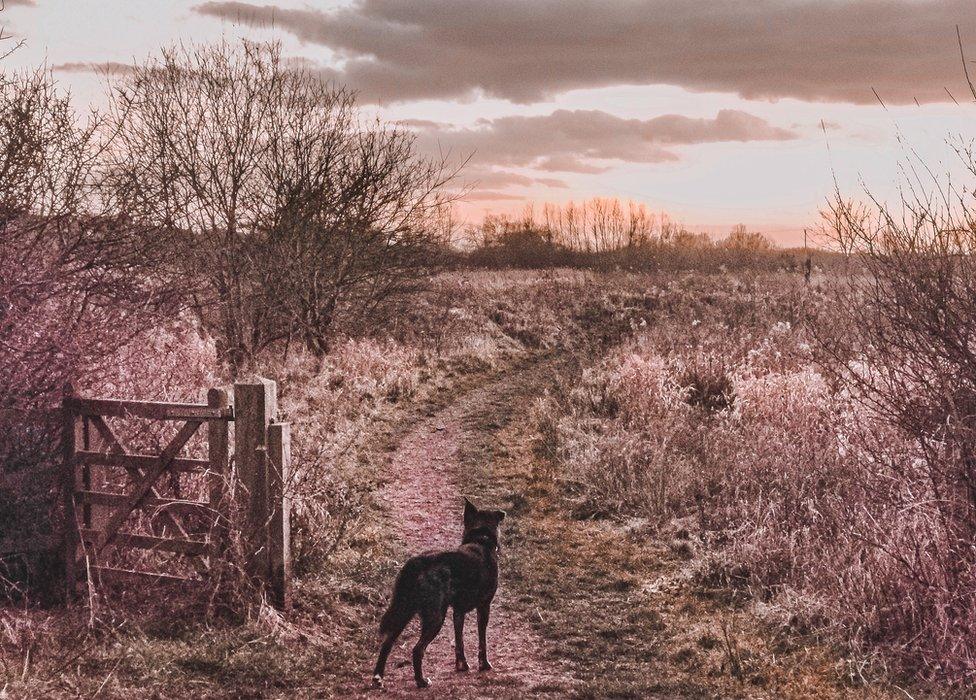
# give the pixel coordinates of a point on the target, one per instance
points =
(722, 413)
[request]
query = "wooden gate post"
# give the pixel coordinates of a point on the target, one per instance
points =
(218, 455)
(72, 435)
(279, 532)
(255, 407)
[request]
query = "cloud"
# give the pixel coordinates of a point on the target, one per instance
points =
(491, 196)
(814, 50)
(552, 182)
(109, 67)
(4, 4)
(491, 178)
(584, 141)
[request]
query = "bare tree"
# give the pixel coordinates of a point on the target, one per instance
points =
(906, 349)
(354, 236)
(73, 282)
(284, 210)
(742, 239)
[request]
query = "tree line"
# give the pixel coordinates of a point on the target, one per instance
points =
(604, 232)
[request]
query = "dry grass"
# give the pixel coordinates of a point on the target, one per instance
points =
(347, 411)
(804, 496)
(684, 469)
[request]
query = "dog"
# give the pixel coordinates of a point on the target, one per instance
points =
(463, 579)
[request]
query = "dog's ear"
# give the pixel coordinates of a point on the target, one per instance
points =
(499, 516)
(470, 512)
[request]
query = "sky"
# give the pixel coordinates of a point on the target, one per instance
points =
(716, 113)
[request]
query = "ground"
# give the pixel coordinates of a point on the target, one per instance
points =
(587, 608)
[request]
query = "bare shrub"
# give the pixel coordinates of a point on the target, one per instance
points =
(906, 354)
(707, 381)
(282, 209)
(72, 288)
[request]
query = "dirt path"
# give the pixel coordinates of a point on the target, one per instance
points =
(587, 607)
(424, 500)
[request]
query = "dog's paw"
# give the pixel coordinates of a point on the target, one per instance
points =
(461, 666)
(423, 683)
(485, 665)
(377, 682)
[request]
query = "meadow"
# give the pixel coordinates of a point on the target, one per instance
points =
(694, 415)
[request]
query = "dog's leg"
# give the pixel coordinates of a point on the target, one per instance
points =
(483, 612)
(389, 639)
(431, 621)
(460, 663)
(385, 646)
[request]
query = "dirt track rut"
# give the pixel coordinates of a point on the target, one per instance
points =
(424, 496)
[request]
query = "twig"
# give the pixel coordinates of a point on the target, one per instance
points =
(965, 68)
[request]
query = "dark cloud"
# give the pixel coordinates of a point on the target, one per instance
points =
(583, 141)
(816, 50)
(110, 67)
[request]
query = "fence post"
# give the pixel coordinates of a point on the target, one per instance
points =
(218, 454)
(72, 434)
(279, 532)
(255, 407)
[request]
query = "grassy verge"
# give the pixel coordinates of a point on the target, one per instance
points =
(623, 599)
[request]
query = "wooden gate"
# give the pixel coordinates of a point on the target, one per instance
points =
(99, 519)
(92, 450)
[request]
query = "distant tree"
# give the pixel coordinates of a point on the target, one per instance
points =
(740, 238)
(677, 236)
(285, 211)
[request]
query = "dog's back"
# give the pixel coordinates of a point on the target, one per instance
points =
(461, 578)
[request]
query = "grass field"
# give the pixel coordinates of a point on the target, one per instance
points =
(671, 458)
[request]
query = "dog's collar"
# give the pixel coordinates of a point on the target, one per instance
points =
(484, 536)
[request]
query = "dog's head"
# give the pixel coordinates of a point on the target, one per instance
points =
(476, 519)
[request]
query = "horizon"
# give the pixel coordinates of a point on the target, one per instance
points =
(553, 102)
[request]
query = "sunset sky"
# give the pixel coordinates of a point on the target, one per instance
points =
(709, 111)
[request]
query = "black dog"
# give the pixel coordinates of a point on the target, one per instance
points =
(464, 579)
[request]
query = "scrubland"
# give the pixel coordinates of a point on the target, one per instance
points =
(695, 403)
(706, 405)
(728, 414)
(347, 408)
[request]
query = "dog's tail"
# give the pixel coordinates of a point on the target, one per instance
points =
(403, 603)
